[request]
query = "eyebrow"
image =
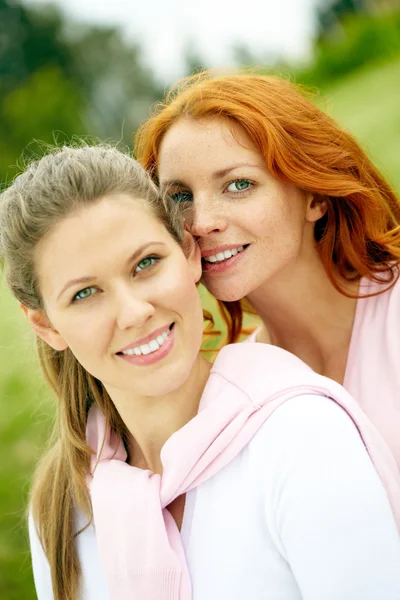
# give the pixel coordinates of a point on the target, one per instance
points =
(92, 278)
(220, 174)
(216, 175)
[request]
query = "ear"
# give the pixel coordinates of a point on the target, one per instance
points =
(193, 255)
(41, 325)
(316, 207)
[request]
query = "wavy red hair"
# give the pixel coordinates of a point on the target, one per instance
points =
(300, 144)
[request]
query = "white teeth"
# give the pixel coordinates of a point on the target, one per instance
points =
(154, 345)
(151, 346)
(221, 256)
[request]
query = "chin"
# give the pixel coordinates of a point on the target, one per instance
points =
(172, 381)
(228, 293)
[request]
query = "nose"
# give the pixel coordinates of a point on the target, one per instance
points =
(206, 217)
(132, 311)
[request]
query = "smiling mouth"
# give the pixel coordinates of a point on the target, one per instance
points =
(221, 257)
(150, 347)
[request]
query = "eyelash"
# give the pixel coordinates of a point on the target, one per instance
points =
(237, 193)
(76, 297)
(183, 193)
(240, 192)
(152, 258)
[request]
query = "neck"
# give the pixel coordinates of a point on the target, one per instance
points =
(151, 420)
(305, 314)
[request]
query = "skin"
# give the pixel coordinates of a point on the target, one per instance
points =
(124, 299)
(231, 199)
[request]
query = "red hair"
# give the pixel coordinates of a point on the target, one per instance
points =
(360, 233)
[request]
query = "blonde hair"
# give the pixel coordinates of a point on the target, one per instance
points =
(50, 189)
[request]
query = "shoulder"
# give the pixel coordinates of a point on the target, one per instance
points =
(393, 296)
(320, 489)
(262, 374)
(311, 458)
(310, 447)
(306, 422)
(386, 293)
(310, 453)
(378, 315)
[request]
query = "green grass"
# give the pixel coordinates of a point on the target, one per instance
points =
(24, 419)
(368, 104)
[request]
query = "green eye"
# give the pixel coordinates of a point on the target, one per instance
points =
(85, 293)
(146, 263)
(239, 185)
(181, 197)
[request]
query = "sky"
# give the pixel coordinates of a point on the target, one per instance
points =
(164, 28)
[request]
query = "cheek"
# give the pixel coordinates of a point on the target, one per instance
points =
(278, 216)
(87, 335)
(178, 290)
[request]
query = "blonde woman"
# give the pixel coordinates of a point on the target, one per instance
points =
(169, 479)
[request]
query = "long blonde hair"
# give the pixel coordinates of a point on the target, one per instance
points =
(42, 196)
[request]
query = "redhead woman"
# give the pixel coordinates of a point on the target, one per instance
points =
(169, 479)
(293, 220)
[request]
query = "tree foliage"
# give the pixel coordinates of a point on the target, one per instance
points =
(332, 13)
(363, 39)
(59, 79)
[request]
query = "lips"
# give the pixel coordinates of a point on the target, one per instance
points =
(151, 355)
(223, 255)
(219, 260)
(217, 249)
(148, 342)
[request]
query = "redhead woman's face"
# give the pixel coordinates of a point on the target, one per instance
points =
(250, 226)
(120, 293)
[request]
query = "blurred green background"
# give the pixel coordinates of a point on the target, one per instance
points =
(58, 79)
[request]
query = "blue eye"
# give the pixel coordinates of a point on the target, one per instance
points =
(147, 263)
(85, 293)
(239, 185)
(181, 197)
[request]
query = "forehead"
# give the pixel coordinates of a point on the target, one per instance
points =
(197, 142)
(97, 237)
(101, 218)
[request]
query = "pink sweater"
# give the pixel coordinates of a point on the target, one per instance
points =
(373, 368)
(139, 543)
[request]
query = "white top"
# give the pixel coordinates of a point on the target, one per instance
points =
(299, 514)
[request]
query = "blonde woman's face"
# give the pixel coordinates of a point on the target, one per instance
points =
(250, 226)
(120, 293)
